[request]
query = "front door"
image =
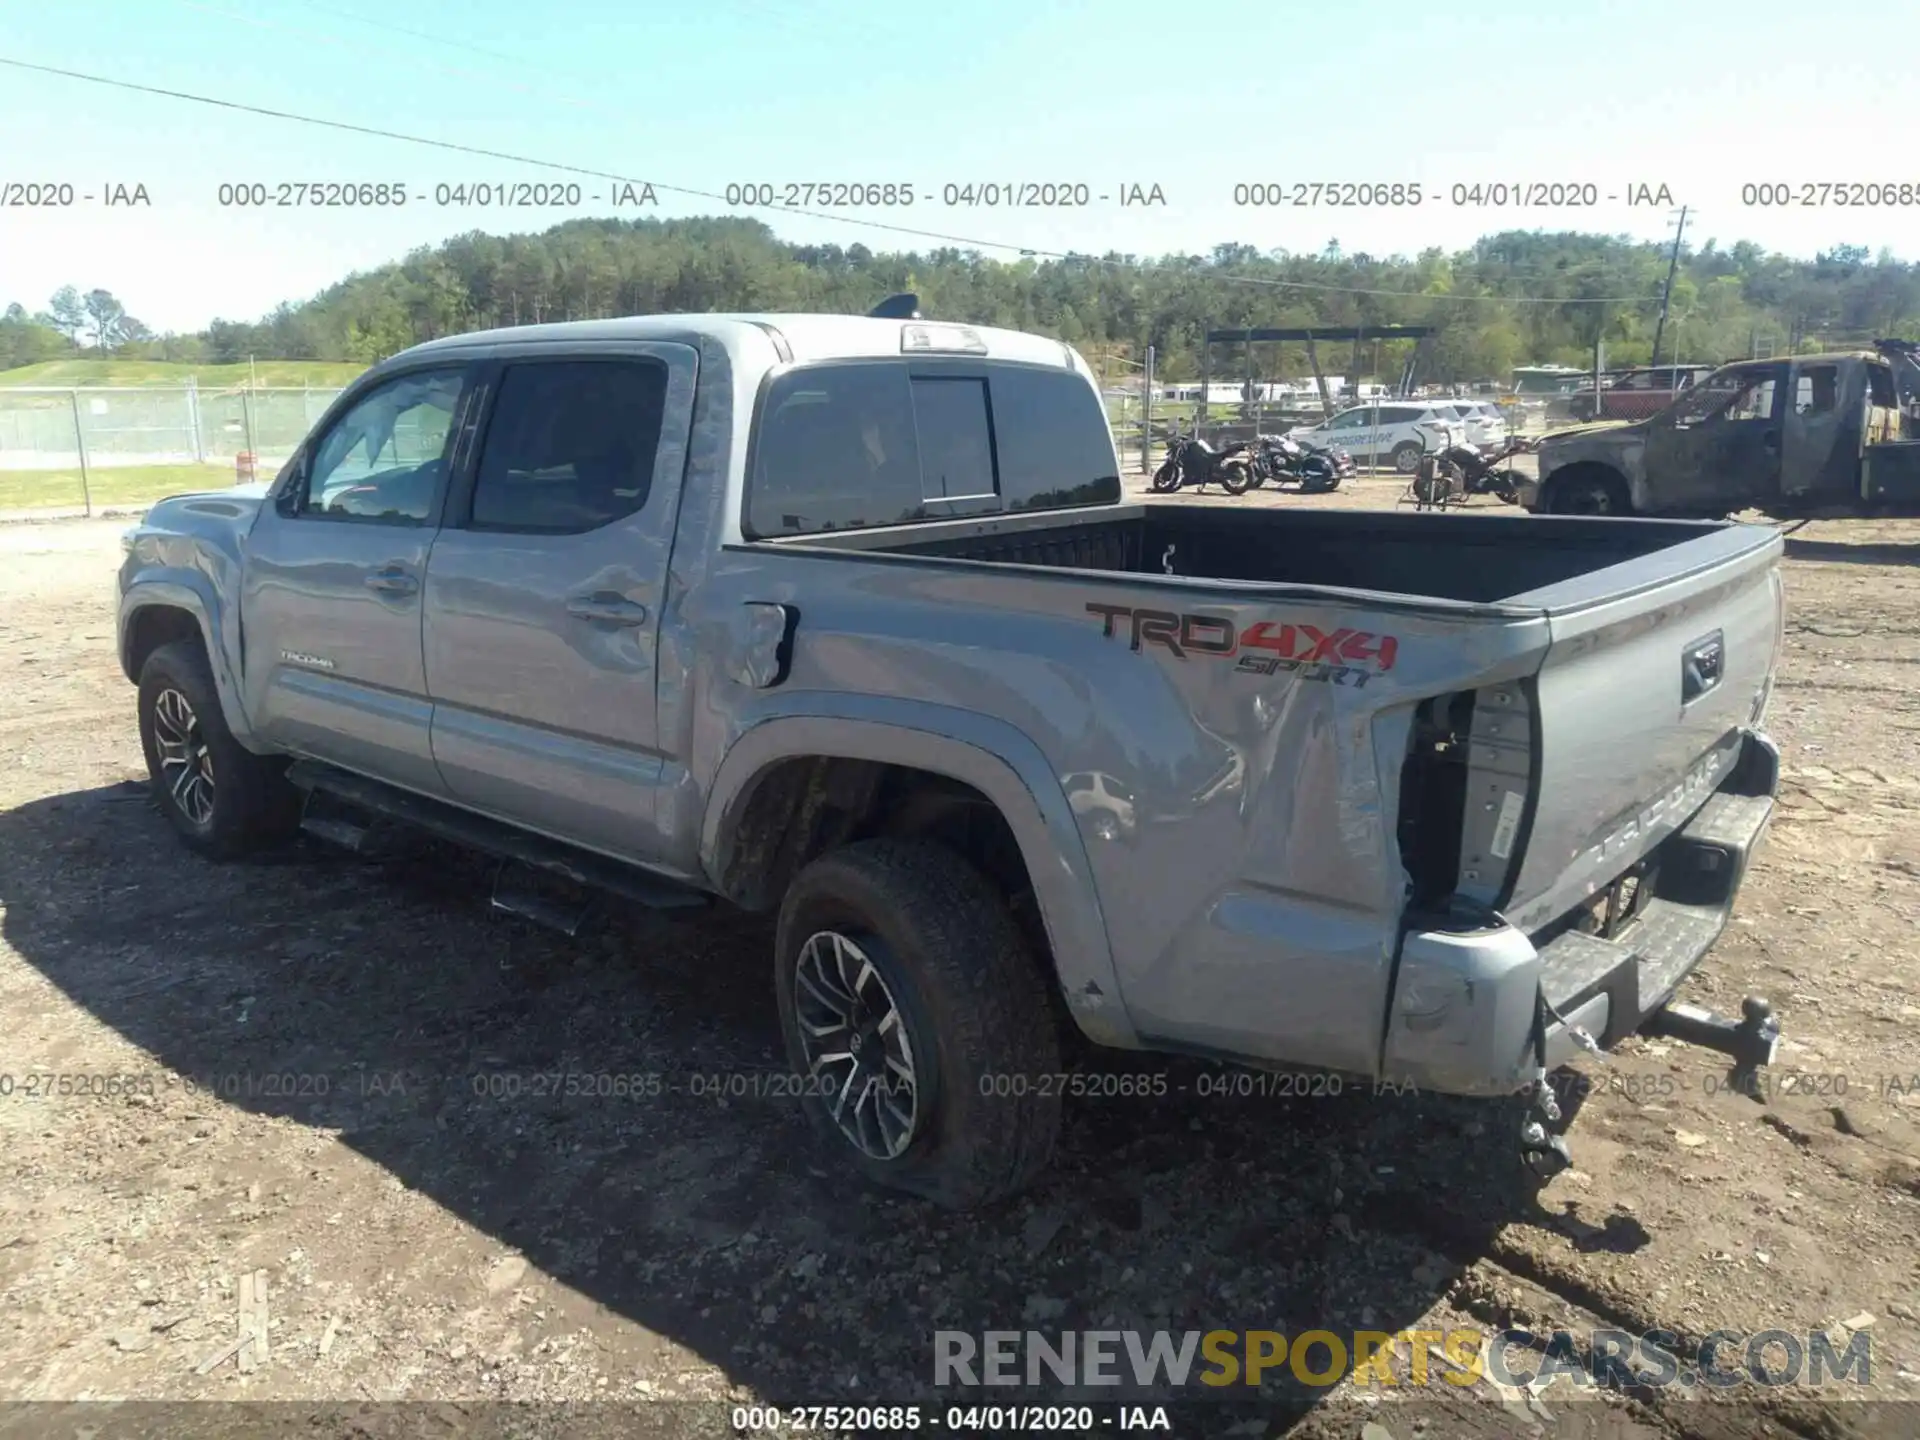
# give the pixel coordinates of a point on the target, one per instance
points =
(544, 592)
(1351, 431)
(1820, 445)
(1717, 448)
(335, 569)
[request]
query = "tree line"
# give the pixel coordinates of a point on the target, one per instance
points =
(1511, 299)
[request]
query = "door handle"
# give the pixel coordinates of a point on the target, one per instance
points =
(608, 607)
(392, 581)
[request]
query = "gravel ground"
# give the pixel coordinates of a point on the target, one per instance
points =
(329, 1069)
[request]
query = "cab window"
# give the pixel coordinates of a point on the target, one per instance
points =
(383, 459)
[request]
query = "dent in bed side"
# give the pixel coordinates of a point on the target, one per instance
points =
(975, 750)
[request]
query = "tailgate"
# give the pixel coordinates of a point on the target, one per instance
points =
(1654, 669)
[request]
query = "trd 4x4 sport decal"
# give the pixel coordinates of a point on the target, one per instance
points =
(1266, 647)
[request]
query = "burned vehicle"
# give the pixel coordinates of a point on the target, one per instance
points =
(1787, 437)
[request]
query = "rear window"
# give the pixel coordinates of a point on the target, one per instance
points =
(847, 446)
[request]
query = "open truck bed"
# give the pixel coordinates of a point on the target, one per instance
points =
(1540, 561)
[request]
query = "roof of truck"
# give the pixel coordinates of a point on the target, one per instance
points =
(1818, 355)
(809, 337)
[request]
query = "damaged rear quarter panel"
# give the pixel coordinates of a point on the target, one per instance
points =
(1250, 903)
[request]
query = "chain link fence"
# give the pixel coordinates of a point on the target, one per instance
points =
(103, 445)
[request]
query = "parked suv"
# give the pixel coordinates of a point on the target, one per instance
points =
(1481, 421)
(1388, 433)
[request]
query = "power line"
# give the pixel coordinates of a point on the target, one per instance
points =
(958, 240)
(514, 60)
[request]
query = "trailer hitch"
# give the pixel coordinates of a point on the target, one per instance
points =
(1750, 1041)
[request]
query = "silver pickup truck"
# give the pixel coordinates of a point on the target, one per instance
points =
(850, 619)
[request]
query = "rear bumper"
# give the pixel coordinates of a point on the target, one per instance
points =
(1464, 1001)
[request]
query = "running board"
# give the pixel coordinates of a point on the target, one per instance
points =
(523, 895)
(476, 832)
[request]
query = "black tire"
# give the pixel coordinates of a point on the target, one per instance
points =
(971, 1000)
(1236, 477)
(1317, 476)
(1406, 456)
(247, 803)
(1589, 494)
(1167, 478)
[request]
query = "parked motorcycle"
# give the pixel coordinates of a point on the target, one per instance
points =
(1191, 461)
(1282, 458)
(1458, 471)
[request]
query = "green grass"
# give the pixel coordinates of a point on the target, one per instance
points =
(119, 485)
(320, 374)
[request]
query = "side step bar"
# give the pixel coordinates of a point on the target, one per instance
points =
(476, 832)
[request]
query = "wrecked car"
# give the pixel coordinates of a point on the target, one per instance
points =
(1814, 433)
(849, 621)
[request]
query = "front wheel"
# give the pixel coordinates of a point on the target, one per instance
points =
(1589, 495)
(1167, 478)
(1236, 477)
(919, 1023)
(220, 798)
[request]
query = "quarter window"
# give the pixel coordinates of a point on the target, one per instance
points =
(1816, 391)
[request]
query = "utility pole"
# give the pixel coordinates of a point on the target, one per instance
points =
(1666, 295)
(1146, 413)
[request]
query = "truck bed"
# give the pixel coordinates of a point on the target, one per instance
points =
(1535, 561)
(1606, 620)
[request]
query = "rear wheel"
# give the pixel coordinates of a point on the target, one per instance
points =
(220, 798)
(1236, 477)
(919, 1022)
(1318, 476)
(1406, 457)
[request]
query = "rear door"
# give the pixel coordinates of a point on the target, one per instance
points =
(330, 594)
(1821, 435)
(544, 593)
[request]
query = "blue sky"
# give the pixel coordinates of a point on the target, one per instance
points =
(1195, 99)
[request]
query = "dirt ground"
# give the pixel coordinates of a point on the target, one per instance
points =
(325, 1071)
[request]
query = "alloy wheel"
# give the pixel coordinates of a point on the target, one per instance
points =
(855, 1041)
(186, 764)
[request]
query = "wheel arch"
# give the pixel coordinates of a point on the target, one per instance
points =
(155, 613)
(794, 786)
(1587, 470)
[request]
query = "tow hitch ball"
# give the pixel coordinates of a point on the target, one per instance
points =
(1750, 1042)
